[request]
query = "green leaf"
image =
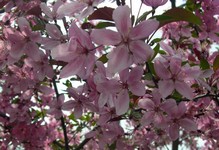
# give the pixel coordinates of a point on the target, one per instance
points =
(178, 14)
(204, 64)
(103, 58)
(68, 83)
(156, 50)
(104, 25)
(143, 16)
(216, 63)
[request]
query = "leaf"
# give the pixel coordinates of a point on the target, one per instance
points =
(143, 16)
(156, 50)
(178, 14)
(104, 25)
(204, 64)
(103, 58)
(216, 63)
(104, 13)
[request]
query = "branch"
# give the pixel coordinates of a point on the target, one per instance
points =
(62, 118)
(175, 144)
(173, 3)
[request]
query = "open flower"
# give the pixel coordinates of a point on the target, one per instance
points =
(154, 3)
(130, 47)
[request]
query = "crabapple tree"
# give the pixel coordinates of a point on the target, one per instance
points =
(80, 74)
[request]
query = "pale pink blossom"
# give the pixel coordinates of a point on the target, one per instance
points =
(130, 47)
(154, 3)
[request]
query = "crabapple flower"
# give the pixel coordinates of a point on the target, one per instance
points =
(130, 47)
(129, 81)
(177, 120)
(79, 103)
(173, 77)
(154, 3)
(79, 53)
(155, 109)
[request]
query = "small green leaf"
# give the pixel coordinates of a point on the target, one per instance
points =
(178, 14)
(104, 25)
(143, 16)
(156, 50)
(204, 64)
(216, 63)
(103, 58)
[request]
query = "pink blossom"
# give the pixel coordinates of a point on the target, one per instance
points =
(154, 3)
(130, 47)
(79, 53)
(177, 120)
(172, 75)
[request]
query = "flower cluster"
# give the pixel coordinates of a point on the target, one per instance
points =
(75, 75)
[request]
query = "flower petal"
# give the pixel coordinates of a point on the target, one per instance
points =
(161, 70)
(135, 74)
(105, 37)
(119, 59)
(174, 131)
(188, 124)
(121, 16)
(53, 31)
(166, 87)
(141, 51)
(184, 89)
(122, 102)
(69, 105)
(137, 88)
(72, 68)
(147, 118)
(144, 29)
(69, 9)
(146, 103)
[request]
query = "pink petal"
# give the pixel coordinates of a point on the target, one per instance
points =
(69, 9)
(144, 29)
(105, 37)
(46, 10)
(119, 59)
(89, 10)
(137, 88)
(166, 87)
(78, 112)
(175, 65)
(147, 118)
(184, 89)
(135, 74)
(122, 102)
(161, 70)
(23, 24)
(72, 68)
(53, 31)
(121, 16)
(32, 50)
(124, 74)
(168, 105)
(141, 51)
(174, 131)
(82, 36)
(69, 105)
(181, 109)
(188, 124)
(146, 103)
(61, 52)
(103, 98)
(167, 48)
